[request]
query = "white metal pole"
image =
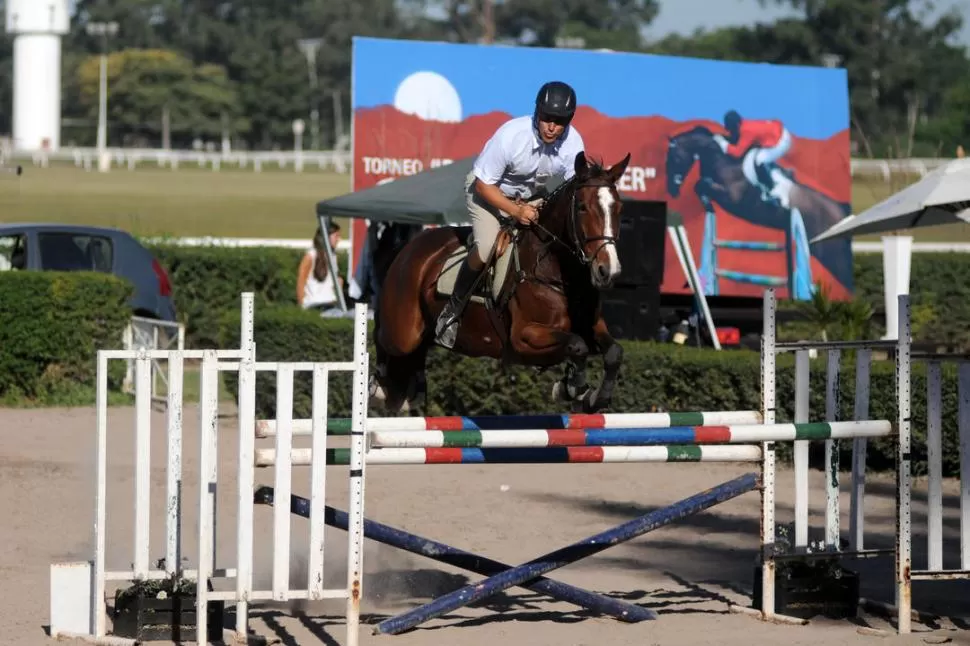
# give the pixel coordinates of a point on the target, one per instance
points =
(104, 163)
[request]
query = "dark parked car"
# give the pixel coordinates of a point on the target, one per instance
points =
(67, 247)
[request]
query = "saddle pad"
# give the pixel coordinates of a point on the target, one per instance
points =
(494, 279)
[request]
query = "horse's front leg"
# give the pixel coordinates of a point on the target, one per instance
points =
(548, 345)
(612, 352)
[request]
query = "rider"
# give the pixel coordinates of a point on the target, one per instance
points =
(769, 135)
(509, 175)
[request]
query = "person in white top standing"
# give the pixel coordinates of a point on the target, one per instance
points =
(508, 178)
(315, 286)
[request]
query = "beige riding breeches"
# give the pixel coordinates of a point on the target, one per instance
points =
(484, 217)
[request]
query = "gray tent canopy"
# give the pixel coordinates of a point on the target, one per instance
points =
(435, 196)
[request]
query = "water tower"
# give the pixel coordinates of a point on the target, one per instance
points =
(37, 27)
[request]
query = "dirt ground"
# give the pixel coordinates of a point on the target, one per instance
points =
(689, 572)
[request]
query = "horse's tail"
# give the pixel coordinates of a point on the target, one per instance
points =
(387, 249)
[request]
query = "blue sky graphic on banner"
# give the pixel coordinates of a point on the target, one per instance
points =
(813, 100)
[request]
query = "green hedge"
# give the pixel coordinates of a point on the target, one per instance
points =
(51, 326)
(207, 281)
(654, 377)
(939, 295)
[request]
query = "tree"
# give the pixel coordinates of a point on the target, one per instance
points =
(255, 41)
(786, 41)
(950, 129)
(144, 83)
(540, 22)
(600, 23)
(899, 67)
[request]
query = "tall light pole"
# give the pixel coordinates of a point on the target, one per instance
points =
(103, 29)
(309, 47)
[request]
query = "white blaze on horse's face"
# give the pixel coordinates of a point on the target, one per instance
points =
(606, 264)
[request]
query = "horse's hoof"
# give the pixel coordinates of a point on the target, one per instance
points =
(592, 403)
(558, 392)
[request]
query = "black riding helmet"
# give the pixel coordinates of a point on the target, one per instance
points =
(732, 121)
(556, 99)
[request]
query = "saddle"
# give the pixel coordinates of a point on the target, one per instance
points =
(763, 173)
(491, 289)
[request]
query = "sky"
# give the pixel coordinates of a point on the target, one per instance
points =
(684, 16)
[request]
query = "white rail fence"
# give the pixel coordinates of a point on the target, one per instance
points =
(337, 160)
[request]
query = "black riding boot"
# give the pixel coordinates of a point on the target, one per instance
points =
(446, 329)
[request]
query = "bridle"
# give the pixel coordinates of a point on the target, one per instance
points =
(575, 232)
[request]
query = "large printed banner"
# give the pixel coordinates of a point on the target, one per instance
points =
(750, 206)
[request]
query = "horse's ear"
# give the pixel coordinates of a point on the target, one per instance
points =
(580, 165)
(616, 170)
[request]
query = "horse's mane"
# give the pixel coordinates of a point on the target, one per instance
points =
(595, 170)
(696, 130)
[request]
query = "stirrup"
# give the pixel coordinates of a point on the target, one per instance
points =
(446, 330)
(446, 326)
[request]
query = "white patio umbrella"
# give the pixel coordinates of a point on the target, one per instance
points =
(941, 197)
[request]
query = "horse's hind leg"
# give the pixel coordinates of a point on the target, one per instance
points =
(544, 344)
(401, 385)
(612, 352)
(416, 382)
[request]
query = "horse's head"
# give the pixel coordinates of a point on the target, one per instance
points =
(591, 218)
(696, 144)
(679, 160)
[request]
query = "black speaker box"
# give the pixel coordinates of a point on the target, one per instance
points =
(632, 312)
(641, 243)
(632, 306)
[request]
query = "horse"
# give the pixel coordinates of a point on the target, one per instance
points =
(537, 303)
(722, 180)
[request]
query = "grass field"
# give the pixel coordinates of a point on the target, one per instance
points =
(239, 203)
(187, 202)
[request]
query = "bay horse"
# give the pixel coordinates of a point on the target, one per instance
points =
(722, 180)
(537, 303)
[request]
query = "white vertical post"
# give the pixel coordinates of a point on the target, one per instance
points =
(208, 470)
(802, 387)
(934, 466)
(832, 379)
(247, 451)
(154, 366)
(318, 483)
(768, 456)
(283, 484)
(897, 254)
(173, 489)
(143, 465)
(859, 447)
(904, 561)
(99, 616)
(355, 529)
(963, 394)
(104, 161)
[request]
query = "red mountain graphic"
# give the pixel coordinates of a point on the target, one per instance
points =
(384, 133)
